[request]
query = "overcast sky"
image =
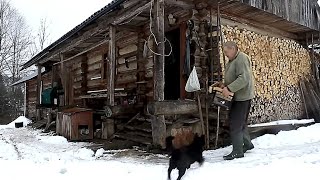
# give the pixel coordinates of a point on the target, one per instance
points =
(62, 15)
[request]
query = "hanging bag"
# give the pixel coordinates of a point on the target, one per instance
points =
(193, 83)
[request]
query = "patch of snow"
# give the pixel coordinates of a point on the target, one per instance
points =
(20, 119)
(27, 153)
(284, 122)
(53, 139)
(7, 150)
(303, 135)
(84, 154)
(99, 152)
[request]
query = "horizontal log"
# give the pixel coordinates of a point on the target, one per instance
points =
(95, 59)
(120, 110)
(126, 78)
(128, 49)
(94, 66)
(125, 41)
(127, 67)
(172, 107)
(124, 60)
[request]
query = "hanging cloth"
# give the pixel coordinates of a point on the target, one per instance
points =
(187, 68)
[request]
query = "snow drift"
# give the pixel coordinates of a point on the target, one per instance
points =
(20, 119)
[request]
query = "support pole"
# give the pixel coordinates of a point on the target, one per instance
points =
(218, 127)
(158, 122)
(112, 63)
(38, 112)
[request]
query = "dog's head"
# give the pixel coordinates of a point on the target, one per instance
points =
(169, 145)
(199, 141)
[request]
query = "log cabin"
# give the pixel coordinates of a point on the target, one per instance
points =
(129, 62)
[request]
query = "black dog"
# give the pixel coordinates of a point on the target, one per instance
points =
(183, 157)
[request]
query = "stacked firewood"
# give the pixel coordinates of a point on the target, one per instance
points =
(277, 65)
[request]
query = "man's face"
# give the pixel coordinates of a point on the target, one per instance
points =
(230, 52)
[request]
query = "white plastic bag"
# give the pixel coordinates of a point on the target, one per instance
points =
(193, 83)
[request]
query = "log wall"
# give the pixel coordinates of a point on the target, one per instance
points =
(32, 94)
(277, 65)
(31, 98)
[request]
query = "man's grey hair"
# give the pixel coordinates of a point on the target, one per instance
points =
(231, 44)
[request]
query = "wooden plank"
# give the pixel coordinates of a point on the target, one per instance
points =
(39, 78)
(179, 3)
(172, 107)
(38, 112)
(158, 123)
(183, 30)
(134, 11)
(84, 51)
(112, 65)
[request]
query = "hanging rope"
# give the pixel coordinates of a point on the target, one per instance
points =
(155, 38)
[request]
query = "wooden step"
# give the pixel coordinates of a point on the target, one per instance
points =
(139, 128)
(141, 140)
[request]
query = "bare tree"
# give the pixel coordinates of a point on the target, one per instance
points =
(6, 13)
(42, 38)
(15, 42)
(43, 33)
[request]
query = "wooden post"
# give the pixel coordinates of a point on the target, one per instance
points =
(25, 106)
(141, 61)
(38, 112)
(158, 122)
(63, 79)
(183, 31)
(107, 129)
(112, 64)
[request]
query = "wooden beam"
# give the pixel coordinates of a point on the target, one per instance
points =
(112, 65)
(158, 122)
(64, 78)
(183, 41)
(178, 3)
(141, 74)
(139, 8)
(83, 52)
(172, 107)
(38, 112)
(39, 84)
(69, 45)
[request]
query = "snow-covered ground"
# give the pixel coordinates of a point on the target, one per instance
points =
(26, 153)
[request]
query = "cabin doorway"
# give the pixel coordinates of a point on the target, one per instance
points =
(172, 66)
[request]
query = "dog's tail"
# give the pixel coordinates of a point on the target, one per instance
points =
(169, 145)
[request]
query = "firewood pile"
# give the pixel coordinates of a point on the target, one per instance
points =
(277, 65)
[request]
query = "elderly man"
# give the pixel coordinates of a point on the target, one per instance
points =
(238, 80)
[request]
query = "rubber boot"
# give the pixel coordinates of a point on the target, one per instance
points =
(247, 144)
(237, 143)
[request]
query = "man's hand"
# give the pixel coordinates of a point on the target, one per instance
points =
(226, 92)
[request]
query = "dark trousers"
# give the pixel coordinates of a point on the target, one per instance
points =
(238, 119)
